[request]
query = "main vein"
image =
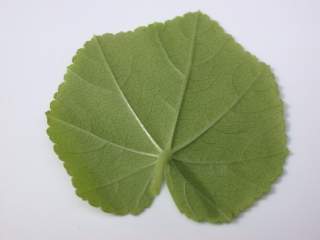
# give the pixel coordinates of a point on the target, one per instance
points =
(124, 98)
(234, 103)
(187, 78)
(70, 125)
(206, 195)
(120, 178)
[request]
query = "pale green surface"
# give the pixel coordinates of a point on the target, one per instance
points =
(179, 102)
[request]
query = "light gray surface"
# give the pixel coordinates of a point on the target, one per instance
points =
(38, 39)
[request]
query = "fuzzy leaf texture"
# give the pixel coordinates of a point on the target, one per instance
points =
(178, 102)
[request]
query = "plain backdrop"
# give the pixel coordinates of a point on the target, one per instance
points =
(37, 42)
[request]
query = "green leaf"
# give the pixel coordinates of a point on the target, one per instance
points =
(179, 102)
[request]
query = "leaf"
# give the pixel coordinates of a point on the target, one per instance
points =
(179, 102)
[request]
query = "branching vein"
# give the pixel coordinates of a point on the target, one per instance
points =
(125, 98)
(234, 103)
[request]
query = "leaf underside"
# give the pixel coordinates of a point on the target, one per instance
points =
(177, 102)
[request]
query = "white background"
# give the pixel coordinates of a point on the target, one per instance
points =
(37, 42)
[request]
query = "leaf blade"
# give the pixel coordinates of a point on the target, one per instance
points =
(182, 100)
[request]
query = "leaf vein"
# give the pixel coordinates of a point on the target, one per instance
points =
(118, 179)
(229, 162)
(73, 126)
(125, 98)
(212, 202)
(187, 200)
(237, 100)
(143, 191)
(167, 57)
(77, 75)
(189, 67)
